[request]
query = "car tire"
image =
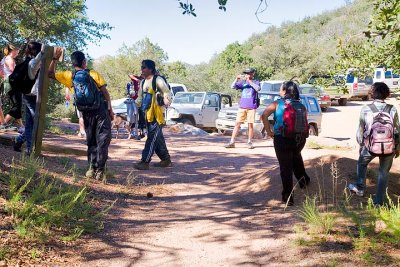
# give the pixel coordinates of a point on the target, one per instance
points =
(342, 102)
(312, 131)
(187, 122)
(324, 109)
(365, 98)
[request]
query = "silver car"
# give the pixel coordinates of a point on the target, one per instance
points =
(227, 117)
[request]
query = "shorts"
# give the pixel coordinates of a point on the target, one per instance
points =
(244, 115)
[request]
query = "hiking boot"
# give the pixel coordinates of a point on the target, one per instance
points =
(250, 145)
(142, 166)
(230, 145)
(17, 146)
(163, 164)
(354, 189)
(90, 173)
(304, 181)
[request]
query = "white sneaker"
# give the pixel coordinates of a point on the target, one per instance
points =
(250, 145)
(353, 188)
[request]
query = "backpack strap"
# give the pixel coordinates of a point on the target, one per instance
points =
(373, 108)
(154, 84)
(388, 108)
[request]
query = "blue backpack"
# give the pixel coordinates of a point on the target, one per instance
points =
(87, 95)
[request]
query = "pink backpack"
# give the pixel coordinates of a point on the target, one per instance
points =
(379, 135)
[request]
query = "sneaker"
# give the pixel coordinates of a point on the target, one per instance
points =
(17, 146)
(230, 145)
(90, 173)
(250, 145)
(304, 181)
(163, 164)
(353, 188)
(100, 175)
(142, 166)
(7, 127)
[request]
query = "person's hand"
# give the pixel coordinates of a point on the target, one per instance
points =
(397, 154)
(167, 101)
(57, 53)
(238, 77)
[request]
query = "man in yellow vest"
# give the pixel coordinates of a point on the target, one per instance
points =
(154, 95)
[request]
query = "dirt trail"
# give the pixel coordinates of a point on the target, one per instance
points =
(215, 207)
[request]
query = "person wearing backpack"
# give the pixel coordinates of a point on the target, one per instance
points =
(154, 95)
(378, 136)
(93, 100)
(8, 64)
(249, 102)
(33, 54)
(289, 132)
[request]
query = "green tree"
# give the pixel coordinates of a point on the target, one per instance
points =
(59, 22)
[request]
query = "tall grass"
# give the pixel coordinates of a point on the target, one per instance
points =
(42, 206)
(319, 222)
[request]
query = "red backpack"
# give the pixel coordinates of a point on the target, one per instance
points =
(294, 120)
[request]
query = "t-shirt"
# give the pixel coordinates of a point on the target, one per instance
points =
(248, 99)
(6, 71)
(65, 78)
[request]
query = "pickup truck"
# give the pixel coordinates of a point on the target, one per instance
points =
(342, 88)
(387, 76)
(199, 109)
(227, 117)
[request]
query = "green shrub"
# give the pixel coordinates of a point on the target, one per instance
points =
(61, 112)
(318, 221)
(42, 206)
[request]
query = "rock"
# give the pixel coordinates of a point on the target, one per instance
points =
(149, 195)
(181, 128)
(380, 226)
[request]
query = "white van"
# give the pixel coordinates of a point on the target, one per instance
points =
(387, 76)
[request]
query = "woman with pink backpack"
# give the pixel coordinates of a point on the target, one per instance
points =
(378, 136)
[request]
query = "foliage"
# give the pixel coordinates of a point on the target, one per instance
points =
(188, 8)
(63, 23)
(320, 222)
(42, 206)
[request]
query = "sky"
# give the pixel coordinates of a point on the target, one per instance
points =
(192, 39)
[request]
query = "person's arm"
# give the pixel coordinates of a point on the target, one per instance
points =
(267, 112)
(10, 63)
(361, 127)
(238, 83)
(53, 63)
(255, 85)
(139, 99)
(164, 89)
(107, 96)
(34, 65)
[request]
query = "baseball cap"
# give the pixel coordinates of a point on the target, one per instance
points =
(249, 70)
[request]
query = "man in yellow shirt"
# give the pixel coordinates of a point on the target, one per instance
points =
(150, 87)
(97, 114)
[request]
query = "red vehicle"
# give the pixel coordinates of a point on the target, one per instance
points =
(324, 99)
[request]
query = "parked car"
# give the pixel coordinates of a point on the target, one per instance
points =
(324, 99)
(119, 106)
(387, 76)
(199, 109)
(227, 116)
(271, 86)
(357, 87)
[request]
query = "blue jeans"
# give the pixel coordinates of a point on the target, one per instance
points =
(385, 163)
(30, 106)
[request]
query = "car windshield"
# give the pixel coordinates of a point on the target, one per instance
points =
(309, 90)
(188, 98)
(267, 99)
(270, 87)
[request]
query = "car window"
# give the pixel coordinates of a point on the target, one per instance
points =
(388, 74)
(267, 99)
(379, 74)
(350, 78)
(308, 90)
(177, 89)
(188, 98)
(313, 104)
(213, 98)
(271, 87)
(396, 75)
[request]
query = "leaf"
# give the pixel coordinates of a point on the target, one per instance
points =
(194, 14)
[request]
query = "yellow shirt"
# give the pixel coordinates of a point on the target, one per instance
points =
(65, 78)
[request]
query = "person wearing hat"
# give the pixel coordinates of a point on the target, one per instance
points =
(247, 105)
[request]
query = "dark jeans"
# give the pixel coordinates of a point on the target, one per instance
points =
(385, 163)
(16, 104)
(288, 152)
(30, 106)
(98, 137)
(155, 143)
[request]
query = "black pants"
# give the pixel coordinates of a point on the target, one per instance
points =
(98, 137)
(155, 143)
(16, 104)
(288, 152)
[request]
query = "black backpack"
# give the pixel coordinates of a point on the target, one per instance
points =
(19, 78)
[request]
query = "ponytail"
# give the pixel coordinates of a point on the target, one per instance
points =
(8, 49)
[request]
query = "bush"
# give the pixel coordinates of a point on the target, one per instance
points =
(42, 206)
(319, 222)
(61, 112)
